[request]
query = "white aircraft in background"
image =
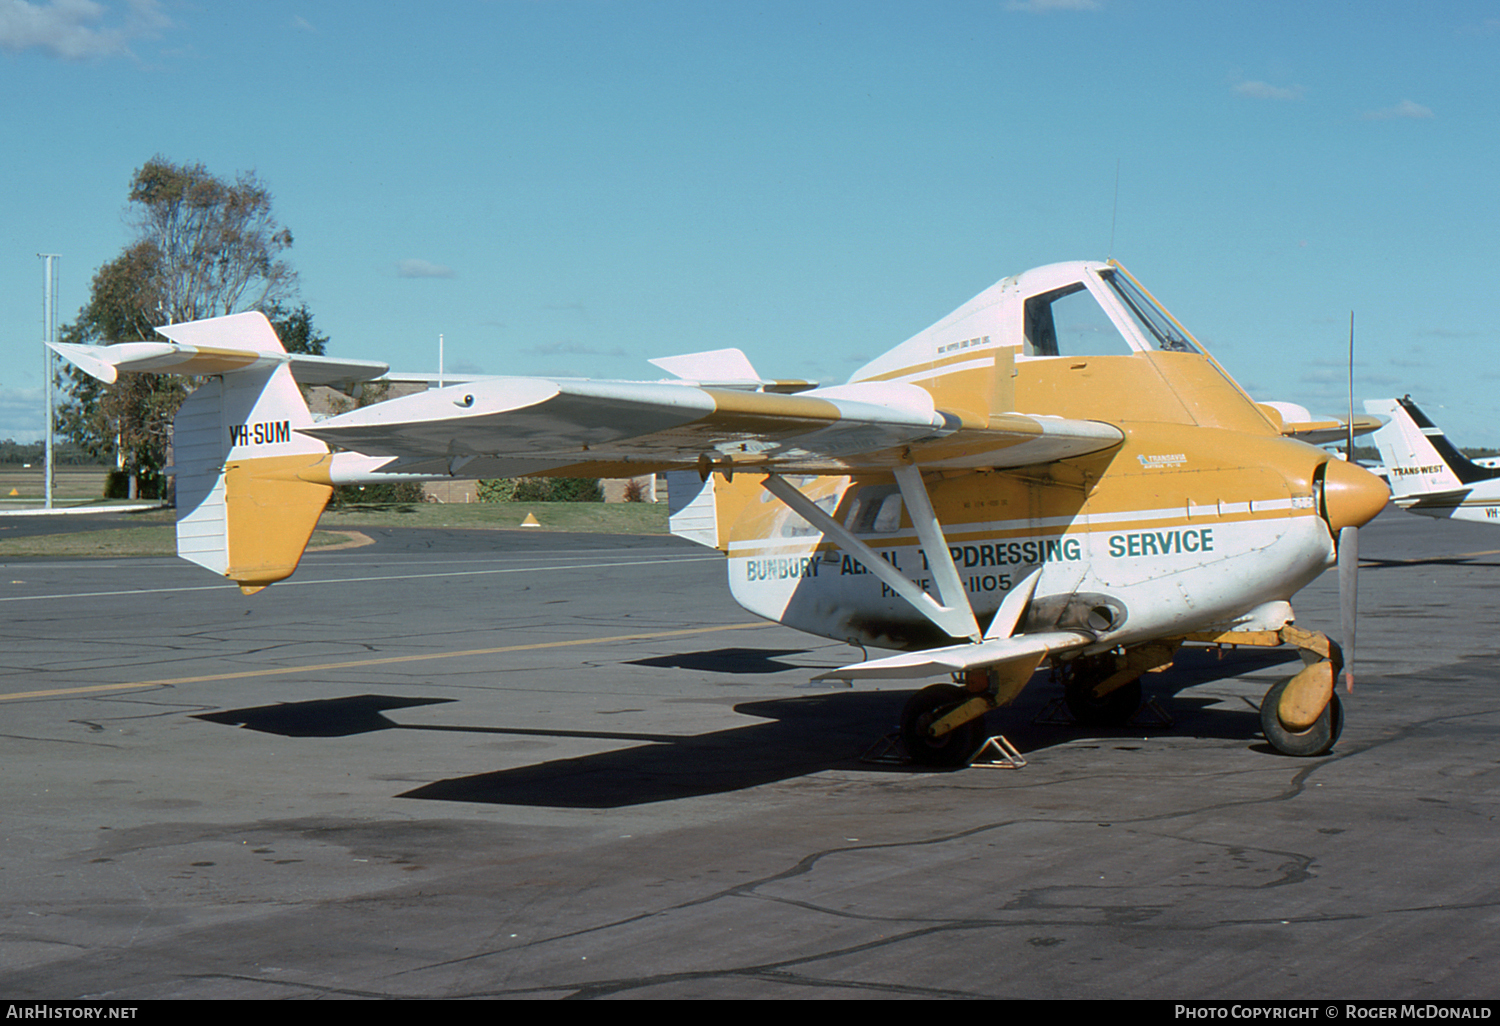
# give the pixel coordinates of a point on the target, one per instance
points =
(1427, 474)
(1056, 472)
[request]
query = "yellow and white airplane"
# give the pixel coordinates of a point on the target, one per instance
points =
(1055, 472)
(1426, 473)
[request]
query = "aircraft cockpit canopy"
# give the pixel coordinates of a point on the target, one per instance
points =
(1081, 308)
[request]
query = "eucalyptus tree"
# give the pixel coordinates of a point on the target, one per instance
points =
(202, 246)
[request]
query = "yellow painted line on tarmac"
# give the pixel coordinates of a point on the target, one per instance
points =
(281, 671)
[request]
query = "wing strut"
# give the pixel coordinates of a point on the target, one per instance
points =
(953, 614)
(939, 559)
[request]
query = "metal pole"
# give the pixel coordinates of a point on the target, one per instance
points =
(49, 334)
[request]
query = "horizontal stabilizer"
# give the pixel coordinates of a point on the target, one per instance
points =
(1439, 500)
(219, 345)
(955, 658)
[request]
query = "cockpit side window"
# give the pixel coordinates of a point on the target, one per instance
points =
(1070, 322)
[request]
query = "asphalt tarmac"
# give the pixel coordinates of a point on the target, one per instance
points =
(501, 764)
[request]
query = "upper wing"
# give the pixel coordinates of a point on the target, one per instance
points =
(512, 426)
(721, 368)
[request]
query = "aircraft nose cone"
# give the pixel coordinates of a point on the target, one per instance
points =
(1351, 495)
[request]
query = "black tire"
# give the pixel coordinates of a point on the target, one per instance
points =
(1112, 710)
(954, 749)
(1315, 740)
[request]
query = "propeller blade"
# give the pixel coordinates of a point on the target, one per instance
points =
(1348, 596)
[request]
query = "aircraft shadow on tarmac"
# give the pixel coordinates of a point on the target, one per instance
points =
(793, 737)
(727, 660)
(1366, 563)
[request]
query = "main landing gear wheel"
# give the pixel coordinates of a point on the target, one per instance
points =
(955, 748)
(1315, 740)
(1115, 709)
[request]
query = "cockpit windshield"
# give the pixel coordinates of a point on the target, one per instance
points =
(1156, 326)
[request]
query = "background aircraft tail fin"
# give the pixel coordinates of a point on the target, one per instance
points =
(1417, 454)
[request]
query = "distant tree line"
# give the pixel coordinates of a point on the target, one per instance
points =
(63, 453)
(385, 493)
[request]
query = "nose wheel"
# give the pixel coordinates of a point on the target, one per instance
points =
(1301, 715)
(1316, 739)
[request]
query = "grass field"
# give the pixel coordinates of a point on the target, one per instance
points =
(69, 484)
(153, 533)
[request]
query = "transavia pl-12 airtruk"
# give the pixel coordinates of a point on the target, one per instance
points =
(1057, 471)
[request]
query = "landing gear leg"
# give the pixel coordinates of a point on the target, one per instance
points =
(1301, 715)
(950, 750)
(1082, 679)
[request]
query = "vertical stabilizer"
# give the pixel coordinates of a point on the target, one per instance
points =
(245, 504)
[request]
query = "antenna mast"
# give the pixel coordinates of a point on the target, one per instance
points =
(1349, 445)
(1113, 210)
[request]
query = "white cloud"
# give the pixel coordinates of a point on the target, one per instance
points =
(1266, 91)
(78, 29)
(1455, 334)
(1404, 109)
(299, 22)
(423, 269)
(467, 367)
(1043, 6)
(567, 348)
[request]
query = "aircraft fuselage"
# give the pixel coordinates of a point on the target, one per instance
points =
(1152, 549)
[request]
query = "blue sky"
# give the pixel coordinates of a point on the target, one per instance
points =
(575, 186)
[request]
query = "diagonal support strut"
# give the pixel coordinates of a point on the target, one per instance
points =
(953, 615)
